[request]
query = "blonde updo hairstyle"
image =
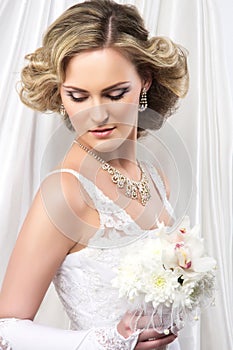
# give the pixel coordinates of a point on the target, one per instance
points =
(98, 24)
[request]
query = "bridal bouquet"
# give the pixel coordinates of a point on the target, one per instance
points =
(167, 277)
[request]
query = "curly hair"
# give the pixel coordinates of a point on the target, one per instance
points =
(98, 24)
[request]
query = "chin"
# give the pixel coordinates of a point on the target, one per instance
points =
(109, 145)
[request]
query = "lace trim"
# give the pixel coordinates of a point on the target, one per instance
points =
(110, 339)
(4, 345)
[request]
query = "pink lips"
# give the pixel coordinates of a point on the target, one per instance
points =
(102, 132)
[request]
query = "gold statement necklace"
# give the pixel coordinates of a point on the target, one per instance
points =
(133, 189)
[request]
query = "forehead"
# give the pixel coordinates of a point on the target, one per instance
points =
(102, 65)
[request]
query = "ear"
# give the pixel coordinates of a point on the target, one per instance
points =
(147, 81)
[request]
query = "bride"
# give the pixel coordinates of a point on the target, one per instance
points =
(99, 69)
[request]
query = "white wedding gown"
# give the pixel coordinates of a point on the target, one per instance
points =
(83, 283)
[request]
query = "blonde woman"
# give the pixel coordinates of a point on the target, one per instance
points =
(99, 69)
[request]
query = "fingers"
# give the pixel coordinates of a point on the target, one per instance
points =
(151, 333)
(155, 344)
(151, 339)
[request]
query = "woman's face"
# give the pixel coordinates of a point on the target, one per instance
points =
(101, 94)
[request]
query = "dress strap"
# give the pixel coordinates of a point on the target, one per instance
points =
(87, 184)
(161, 187)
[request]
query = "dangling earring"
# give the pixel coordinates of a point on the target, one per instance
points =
(62, 110)
(143, 101)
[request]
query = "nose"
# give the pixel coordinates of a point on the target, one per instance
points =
(99, 114)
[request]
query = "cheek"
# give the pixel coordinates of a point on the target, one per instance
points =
(80, 119)
(135, 96)
(71, 107)
(125, 114)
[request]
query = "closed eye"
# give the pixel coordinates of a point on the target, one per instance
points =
(71, 94)
(117, 94)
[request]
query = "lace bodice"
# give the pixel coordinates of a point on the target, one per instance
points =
(83, 281)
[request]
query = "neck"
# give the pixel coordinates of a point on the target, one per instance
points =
(121, 156)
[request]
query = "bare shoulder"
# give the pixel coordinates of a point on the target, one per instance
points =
(64, 187)
(69, 206)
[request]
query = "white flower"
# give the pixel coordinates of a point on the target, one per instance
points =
(167, 274)
(185, 248)
(161, 287)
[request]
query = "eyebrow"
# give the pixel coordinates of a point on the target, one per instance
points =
(106, 89)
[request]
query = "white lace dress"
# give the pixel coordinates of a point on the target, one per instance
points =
(83, 283)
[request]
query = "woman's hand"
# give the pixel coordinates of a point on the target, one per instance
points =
(148, 338)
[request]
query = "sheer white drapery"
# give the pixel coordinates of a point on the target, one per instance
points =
(204, 122)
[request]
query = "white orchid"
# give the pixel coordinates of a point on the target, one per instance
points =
(184, 250)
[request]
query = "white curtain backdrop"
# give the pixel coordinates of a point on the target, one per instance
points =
(28, 147)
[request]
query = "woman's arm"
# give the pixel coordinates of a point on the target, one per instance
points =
(39, 251)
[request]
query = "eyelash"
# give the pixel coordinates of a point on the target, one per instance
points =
(75, 99)
(113, 98)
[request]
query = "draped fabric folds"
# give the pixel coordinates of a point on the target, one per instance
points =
(29, 141)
